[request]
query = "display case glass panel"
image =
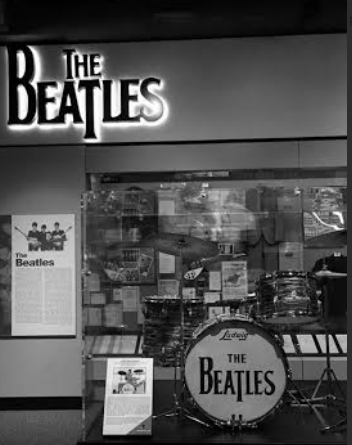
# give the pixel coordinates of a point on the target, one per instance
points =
(245, 247)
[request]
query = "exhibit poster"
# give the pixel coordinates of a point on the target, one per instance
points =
(325, 212)
(128, 403)
(37, 275)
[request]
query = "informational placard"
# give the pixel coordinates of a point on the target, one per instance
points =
(234, 280)
(130, 299)
(166, 263)
(215, 280)
(128, 404)
(41, 279)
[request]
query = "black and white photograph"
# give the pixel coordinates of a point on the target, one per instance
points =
(44, 238)
(128, 381)
(173, 221)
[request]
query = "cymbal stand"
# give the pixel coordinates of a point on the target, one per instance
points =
(179, 410)
(329, 399)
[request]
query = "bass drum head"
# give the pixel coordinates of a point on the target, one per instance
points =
(235, 368)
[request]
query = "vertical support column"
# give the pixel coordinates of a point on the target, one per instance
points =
(3, 24)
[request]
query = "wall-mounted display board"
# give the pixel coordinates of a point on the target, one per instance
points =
(37, 275)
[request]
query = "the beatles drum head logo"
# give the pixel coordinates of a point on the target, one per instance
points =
(234, 368)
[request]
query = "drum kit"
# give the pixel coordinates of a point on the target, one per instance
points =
(233, 369)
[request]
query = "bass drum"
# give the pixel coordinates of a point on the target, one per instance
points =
(235, 371)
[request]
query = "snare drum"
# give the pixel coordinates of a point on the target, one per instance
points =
(235, 371)
(162, 326)
(287, 297)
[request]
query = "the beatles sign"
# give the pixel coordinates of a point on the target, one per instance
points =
(86, 97)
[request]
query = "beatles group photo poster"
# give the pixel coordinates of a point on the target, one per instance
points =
(37, 275)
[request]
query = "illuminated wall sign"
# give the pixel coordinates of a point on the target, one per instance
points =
(85, 98)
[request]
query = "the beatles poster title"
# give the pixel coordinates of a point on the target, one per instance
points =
(23, 261)
(85, 97)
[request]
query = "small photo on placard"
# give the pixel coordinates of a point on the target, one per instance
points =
(128, 381)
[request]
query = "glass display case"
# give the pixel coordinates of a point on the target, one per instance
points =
(220, 248)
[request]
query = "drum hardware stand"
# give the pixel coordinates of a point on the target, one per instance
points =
(299, 399)
(237, 426)
(296, 395)
(240, 424)
(330, 399)
(179, 410)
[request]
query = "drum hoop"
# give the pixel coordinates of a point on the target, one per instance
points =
(226, 318)
(273, 276)
(268, 335)
(212, 321)
(174, 301)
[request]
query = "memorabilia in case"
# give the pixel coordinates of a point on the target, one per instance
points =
(234, 279)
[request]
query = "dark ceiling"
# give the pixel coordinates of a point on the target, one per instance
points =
(128, 20)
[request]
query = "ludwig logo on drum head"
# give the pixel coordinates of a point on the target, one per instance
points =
(234, 335)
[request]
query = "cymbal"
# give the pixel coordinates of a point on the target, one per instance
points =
(330, 274)
(332, 239)
(178, 244)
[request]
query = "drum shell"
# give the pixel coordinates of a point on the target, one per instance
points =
(287, 297)
(162, 327)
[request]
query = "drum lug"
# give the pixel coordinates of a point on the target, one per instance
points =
(190, 400)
